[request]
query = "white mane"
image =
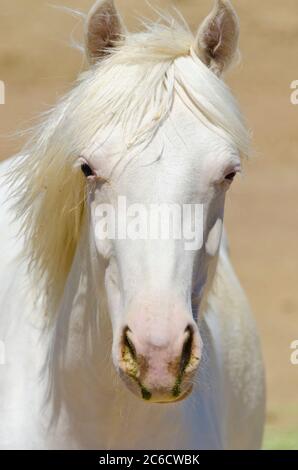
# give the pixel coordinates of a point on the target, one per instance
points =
(134, 87)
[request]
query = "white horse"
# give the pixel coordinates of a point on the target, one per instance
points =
(153, 121)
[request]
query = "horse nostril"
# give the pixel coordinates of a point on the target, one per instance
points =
(128, 344)
(187, 349)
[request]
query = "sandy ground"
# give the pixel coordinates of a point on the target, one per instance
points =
(37, 65)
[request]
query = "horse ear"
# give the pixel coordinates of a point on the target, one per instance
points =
(103, 29)
(217, 38)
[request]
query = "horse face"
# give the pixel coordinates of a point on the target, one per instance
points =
(152, 281)
(155, 284)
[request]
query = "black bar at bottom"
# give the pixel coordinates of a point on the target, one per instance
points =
(138, 459)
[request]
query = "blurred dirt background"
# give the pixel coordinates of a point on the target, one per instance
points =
(37, 65)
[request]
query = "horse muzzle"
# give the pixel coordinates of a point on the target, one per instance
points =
(159, 364)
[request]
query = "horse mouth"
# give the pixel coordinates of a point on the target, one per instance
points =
(172, 399)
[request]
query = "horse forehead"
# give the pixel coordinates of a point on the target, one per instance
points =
(178, 147)
(182, 146)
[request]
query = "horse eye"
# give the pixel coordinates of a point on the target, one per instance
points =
(87, 170)
(231, 176)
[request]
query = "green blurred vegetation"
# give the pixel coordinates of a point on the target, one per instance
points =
(280, 440)
(281, 432)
